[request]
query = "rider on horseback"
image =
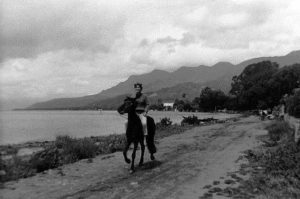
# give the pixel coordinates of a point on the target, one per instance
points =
(138, 126)
(142, 107)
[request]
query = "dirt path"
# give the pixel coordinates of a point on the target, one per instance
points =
(185, 164)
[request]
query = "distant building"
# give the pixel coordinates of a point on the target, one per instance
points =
(168, 105)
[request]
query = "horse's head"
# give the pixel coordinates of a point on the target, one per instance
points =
(128, 105)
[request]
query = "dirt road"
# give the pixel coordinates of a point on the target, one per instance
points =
(184, 164)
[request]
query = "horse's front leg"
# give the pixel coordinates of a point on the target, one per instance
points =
(125, 152)
(142, 152)
(133, 157)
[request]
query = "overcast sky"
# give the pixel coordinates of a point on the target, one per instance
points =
(69, 48)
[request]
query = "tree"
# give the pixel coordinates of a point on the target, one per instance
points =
(251, 87)
(211, 99)
(293, 104)
(283, 82)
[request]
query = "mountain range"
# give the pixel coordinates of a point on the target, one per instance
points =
(165, 85)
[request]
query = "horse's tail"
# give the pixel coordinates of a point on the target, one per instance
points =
(151, 133)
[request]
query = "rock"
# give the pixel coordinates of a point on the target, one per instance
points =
(207, 186)
(229, 182)
(135, 184)
(215, 190)
(216, 182)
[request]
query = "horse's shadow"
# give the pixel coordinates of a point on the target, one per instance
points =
(150, 165)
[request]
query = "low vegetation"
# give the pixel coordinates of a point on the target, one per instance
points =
(275, 169)
(194, 121)
(279, 131)
(272, 170)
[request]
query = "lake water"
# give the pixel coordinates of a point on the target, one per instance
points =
(23, 126)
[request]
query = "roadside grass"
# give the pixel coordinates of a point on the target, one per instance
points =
(279, 131)
(273, 171)
(278, 175)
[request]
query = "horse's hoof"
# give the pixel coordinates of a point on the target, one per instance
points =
(152, 157)
(131, 171)
(127, 161)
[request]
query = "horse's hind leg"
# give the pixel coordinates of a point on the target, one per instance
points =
(142, 152)
(125, 153)
(151, 146)
(133, 157)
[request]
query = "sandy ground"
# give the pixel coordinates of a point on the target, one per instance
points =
(184, 164)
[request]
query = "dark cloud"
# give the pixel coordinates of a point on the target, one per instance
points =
(27, 31)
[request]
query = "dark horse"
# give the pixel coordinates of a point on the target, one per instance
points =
(135, 134)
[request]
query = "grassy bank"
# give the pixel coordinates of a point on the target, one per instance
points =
(273, 169)
(278, 161)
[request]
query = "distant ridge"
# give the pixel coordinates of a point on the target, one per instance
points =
(217, 76)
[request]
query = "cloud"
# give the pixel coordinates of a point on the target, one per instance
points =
(67, 48)
(33, 27)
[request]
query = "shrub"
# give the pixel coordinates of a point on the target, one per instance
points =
(15, 169)
(75, 149)
(166, 121)
(279, 174)
(293, 104)
(191, 120)
(110, 144)
(46, 159)
(279, 130)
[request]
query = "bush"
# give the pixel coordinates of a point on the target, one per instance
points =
(110, 144)
(166, 121)
(46, 159)
(190, 120)
(75, 149)
(193, 120)
(279, 130)
(15, 169)
(293, 104)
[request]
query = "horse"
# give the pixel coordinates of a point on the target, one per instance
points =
(135, 134)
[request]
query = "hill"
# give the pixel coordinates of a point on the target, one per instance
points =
(162, 84)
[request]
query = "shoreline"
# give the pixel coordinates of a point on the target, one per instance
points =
(35, 157)
(43, 126)
(45, 143)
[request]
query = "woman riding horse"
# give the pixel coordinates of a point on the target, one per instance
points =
(139, 125)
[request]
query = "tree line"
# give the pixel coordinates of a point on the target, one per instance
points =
(260, 86)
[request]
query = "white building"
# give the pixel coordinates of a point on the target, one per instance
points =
(168, 105)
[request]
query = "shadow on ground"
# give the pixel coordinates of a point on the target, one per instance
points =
(150, 165)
